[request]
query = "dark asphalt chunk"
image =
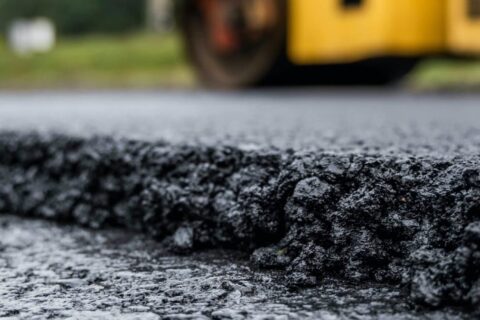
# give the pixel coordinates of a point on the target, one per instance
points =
(410, 222)
(373, 190)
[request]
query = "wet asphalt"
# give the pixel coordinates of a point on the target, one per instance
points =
(50, 271)
(62, 271)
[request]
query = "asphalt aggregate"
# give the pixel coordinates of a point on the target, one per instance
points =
(52, 271)
(325, 192)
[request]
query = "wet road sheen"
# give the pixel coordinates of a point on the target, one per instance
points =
(63, 272)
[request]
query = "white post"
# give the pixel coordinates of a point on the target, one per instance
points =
(31, 36)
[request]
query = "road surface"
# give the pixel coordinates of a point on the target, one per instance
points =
(283, 118)
(258, 205)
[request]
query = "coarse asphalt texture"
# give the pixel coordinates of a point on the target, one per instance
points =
(336, 191)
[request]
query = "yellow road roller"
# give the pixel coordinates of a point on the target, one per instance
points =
(239, 43)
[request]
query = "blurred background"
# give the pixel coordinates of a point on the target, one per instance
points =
(134, 44)
(91, 44)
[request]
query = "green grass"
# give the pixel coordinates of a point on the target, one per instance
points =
(446, 74)
(133, 61)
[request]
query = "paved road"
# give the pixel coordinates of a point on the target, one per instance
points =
(61, 272)
(385, 121)
(430, 189)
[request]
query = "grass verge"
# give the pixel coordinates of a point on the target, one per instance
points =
(133, 61)
(446, 75)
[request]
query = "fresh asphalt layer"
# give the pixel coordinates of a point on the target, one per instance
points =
(338, 191)
(378, 121)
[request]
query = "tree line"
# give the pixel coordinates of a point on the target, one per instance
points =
(76, 17)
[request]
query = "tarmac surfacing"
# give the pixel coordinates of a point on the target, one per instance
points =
(377, 195)
(66, 272)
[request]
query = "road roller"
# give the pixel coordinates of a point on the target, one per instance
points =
(242, 43)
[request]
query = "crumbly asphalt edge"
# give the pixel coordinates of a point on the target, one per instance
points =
(407, 221)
